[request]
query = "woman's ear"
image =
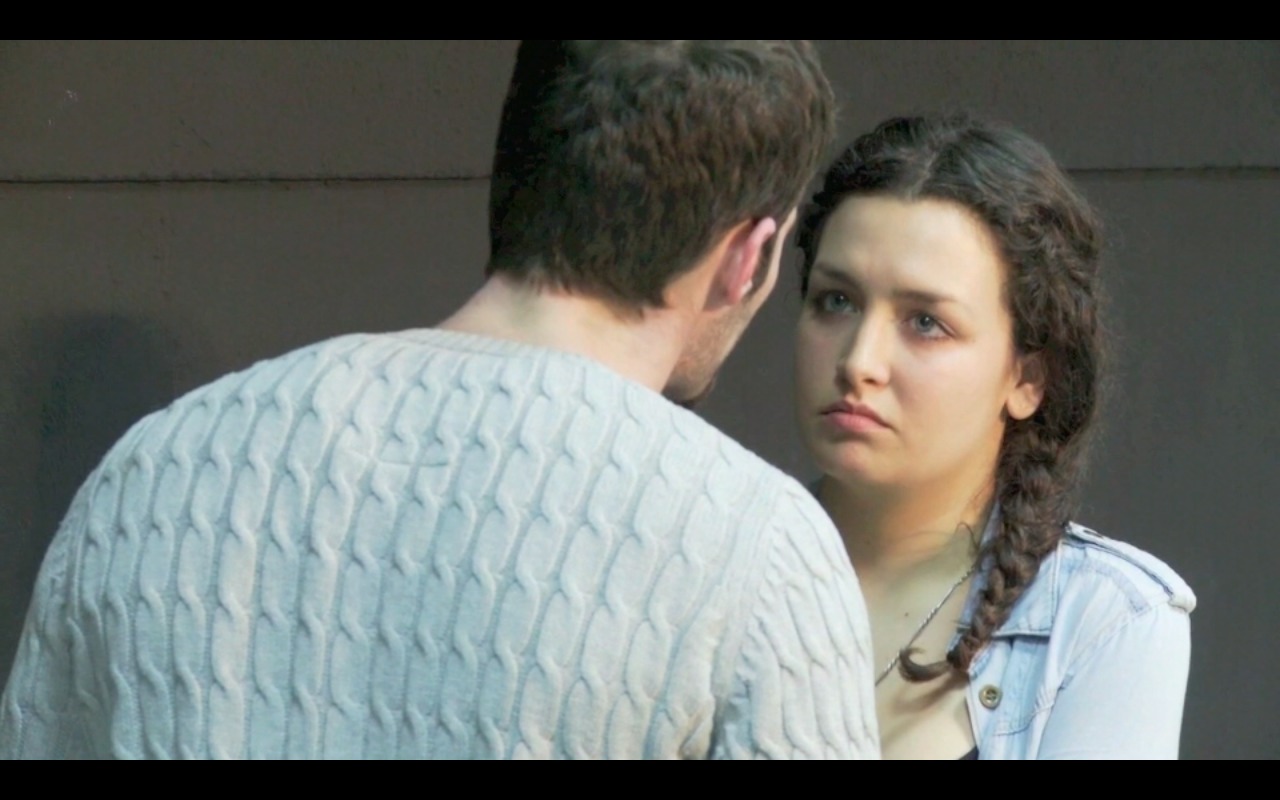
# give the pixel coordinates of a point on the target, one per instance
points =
(1028, 387)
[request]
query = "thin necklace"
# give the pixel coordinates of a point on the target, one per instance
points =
(893, 662)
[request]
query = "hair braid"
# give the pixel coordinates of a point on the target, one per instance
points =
(1033, 511)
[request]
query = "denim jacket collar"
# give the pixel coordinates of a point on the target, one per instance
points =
(1036, 609)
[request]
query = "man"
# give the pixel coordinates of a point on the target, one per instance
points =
(495, 538)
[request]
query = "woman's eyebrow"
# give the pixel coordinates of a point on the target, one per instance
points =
(925, 297)
(834, 274)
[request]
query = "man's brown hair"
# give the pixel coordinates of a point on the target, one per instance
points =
(619, 163)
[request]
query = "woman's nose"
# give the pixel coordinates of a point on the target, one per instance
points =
(866, 357)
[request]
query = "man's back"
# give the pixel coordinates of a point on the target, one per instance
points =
(431, 544)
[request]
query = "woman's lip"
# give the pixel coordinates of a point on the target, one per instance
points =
(857, 418)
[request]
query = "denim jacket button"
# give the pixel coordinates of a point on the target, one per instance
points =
(989, 696)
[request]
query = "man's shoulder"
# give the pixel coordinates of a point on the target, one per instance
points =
(691, 435)
(283, 386)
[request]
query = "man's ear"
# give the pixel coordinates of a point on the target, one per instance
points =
(1028, 389)
(743, 247)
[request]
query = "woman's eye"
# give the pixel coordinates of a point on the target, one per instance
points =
(832, 303)
(927, 326)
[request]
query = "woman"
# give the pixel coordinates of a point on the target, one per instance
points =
(947, 377)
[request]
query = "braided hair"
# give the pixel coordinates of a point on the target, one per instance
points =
(1050, 240)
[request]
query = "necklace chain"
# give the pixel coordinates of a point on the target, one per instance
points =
(897, 656)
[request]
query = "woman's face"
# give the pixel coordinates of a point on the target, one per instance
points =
(905, 365)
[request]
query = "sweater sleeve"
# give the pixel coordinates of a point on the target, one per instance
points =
(38, 717)
(801, 685)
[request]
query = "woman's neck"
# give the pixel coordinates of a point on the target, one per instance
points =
(887, 533)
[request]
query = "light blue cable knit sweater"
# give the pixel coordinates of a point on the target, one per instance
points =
(430, 544)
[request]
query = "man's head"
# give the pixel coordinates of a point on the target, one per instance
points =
(622, 164)
(618, 163)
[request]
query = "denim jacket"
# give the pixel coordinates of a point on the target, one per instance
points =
(1092, 662)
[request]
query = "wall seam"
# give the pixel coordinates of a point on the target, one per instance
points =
(268, 181)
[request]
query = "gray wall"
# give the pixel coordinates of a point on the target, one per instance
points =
(169, 212)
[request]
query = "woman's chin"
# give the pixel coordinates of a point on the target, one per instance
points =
(854, 468)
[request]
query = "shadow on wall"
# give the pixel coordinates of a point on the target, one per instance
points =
(82, 382)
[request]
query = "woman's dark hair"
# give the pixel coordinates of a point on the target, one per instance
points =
(1050, 239)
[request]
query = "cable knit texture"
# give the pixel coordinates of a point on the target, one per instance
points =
(430, 544)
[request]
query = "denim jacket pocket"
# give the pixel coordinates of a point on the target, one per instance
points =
(1007, 699)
